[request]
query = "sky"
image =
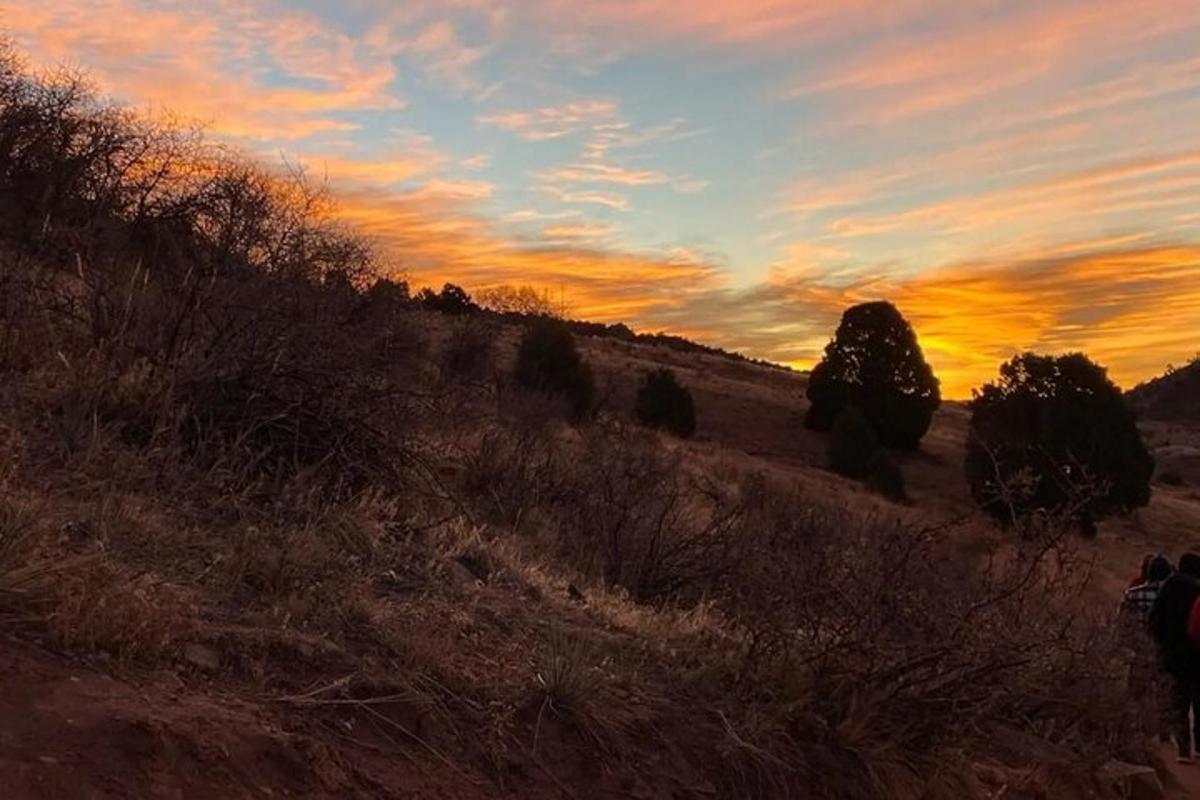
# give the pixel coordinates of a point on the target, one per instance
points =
(1012, 174)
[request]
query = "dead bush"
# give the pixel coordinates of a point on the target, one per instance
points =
(513, 470)
(635, 517)
(872, 629)
(197, 302)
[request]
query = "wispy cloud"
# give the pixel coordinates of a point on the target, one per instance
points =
(611, 200)
(551, 122)
(601, 173)
(579, 230)
(532, 215)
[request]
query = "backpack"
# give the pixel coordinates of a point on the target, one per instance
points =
(1193, 624)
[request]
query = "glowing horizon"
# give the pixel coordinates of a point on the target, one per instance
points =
(1012, 175)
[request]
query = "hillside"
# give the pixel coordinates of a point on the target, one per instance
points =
(269, 527)
(1173, 397)
(185, 657)
(1170, 408)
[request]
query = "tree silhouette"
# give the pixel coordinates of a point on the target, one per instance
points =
(547, 361)
(662, 402)
(451, 299)
(875, 363)
(1055, 434)
(852, 443)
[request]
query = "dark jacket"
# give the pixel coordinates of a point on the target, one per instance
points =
(1169, 625)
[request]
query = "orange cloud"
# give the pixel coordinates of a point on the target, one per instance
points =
(1130, 309)
(434, 238)
(208, 63)
(946, 66)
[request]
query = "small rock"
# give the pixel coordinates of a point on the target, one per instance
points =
(202, 656)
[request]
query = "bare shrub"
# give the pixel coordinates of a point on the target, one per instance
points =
(198, 302)
(872, 629)
(512, 471)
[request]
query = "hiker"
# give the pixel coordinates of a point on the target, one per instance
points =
(1143, 572)
(1174, 620)
(1147, 684)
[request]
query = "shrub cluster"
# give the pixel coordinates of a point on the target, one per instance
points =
(662, 402)
(191, 302)
(548, 362)
(1054, 434)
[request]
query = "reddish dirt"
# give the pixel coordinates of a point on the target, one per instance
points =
(67, 730)
(1184, 779)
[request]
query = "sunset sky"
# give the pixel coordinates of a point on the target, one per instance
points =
(1013, 175)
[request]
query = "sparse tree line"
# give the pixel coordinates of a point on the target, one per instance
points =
(1053, 434)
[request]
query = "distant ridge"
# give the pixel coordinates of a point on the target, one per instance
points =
(1172, 397)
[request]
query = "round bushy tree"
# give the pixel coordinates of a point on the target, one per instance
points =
(875, 363)
(662, 402)
(852, 443)
(1055, 434)
(547, 361)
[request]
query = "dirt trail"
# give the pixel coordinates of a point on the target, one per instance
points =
(1186, 777)
(69, 731)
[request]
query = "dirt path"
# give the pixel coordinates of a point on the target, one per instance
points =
(70, 731)
(1186, 777)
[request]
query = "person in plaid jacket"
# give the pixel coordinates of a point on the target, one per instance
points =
(1172, 621)
(1147, 682)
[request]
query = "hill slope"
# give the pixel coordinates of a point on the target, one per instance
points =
(1174, 397)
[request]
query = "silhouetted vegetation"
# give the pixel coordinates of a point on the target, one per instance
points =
(885, 476)
(450, 300)
(851, 444)
(547, 361)
(662, 402)
(1054, 434)
(854, 451)
(875, 363)
(1173, 396)
(188, 301)
(521, 301)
